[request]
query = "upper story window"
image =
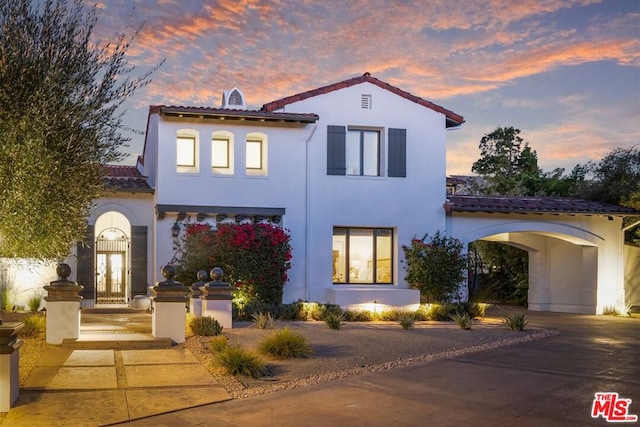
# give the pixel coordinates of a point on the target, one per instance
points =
(257, 154)
(363, 152)
(222, 153)
(254, 154)
(187, 151)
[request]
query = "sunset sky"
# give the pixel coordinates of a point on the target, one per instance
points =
(566, 72)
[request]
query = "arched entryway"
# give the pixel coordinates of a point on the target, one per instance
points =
(563, 270)
(112, 259)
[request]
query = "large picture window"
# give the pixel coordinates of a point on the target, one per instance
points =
(362, 255)
(363, 152)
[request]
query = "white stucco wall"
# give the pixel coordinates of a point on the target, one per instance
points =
(411, 205)
(282, 187)
(632, 275)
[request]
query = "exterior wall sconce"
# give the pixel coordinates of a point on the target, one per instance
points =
(175, 230)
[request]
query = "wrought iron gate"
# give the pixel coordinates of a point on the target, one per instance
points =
(112, 254)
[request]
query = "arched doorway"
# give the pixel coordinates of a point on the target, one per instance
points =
(112, 259)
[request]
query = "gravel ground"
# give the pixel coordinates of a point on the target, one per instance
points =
(356, 349)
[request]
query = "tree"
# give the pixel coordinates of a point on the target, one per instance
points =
(507, 163)
(61, 94)
(616, 179)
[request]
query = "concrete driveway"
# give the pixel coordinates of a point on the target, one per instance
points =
(546, 382)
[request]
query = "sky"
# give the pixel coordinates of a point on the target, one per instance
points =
(565, 72)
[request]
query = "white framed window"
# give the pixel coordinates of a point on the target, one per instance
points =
(256, 151)
(186, 155)
(254, 154)
(222, 157)
(363, 152)
(362, 255)
(187, 151)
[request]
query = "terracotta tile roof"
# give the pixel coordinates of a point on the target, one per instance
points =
(232, 114)
(125, 179)
(453, 119)
(539, 205)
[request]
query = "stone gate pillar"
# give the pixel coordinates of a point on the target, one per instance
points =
(195, 303)
(169, 307)
(9, 358)
(216, 299)
(63, 307)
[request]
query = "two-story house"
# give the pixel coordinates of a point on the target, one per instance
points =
(353, 170)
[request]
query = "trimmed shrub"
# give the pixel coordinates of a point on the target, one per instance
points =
(205, 326)
(334, 320)
(358, 315)
(285, 344)
(463, 320)
(436, 265)
(33, 325)
(234, 360)
(515, 321)
(34, 302)
(218, 343)
(263, 320)
(406, 319)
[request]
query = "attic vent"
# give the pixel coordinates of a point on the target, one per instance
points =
(365, 102)
(233, 99)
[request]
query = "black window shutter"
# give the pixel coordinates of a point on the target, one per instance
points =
(139, 284)
(397, 152)
(336, 163)
(85, 272)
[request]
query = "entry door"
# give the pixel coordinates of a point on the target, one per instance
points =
(111, 270)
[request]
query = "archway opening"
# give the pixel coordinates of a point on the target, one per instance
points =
(112, 259)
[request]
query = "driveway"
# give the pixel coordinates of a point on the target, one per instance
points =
(547, 382)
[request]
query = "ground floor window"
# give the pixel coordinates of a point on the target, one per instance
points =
(362, 255)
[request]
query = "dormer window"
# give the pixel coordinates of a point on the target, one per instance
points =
(233, 99)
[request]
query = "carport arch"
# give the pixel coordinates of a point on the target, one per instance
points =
(563, 262)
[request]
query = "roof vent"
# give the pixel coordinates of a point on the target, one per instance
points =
(233, 99)
(365, 102)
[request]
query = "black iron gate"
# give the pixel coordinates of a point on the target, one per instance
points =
(112, 254)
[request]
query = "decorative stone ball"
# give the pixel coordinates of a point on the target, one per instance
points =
(217, 273)
(168, 271)
(202, 275)
(63, 270)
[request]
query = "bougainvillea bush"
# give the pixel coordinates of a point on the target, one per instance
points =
(194, 251)
(255, 258)
(436, 266)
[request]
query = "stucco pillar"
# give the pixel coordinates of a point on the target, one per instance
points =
(9, 366)
(216, 299)
(169, 307)
(63, 307)
(195, 303)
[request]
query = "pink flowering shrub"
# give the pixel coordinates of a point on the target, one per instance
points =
(436, 266)
(255, 258)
